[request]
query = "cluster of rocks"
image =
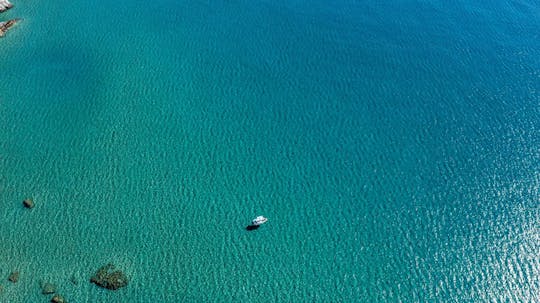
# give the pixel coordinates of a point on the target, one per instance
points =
(46, 288)
(50, 289)
(106, 276)
(6, 25)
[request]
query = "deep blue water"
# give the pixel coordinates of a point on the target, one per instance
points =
(394, 147)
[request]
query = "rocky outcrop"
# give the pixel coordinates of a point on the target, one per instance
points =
(109, 278)
(5, 26)
(48, 288)
(5, 5)
(14, 277)
(58, 299)
(28, 203)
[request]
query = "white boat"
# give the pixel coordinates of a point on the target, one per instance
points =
(259, 220)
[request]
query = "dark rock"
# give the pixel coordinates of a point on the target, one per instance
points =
(28, 203)
(58, 299)
(109, 278)
(5, 5)
(14, 277)
(48, 288)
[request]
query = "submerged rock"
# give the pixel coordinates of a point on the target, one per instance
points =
(28, 203)
(58, 299)
(5, 26)
(109, 278)
(74, 280)
(14, 277)
(5, 5)
(48, 288)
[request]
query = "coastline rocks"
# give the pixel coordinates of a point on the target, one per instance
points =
(28, 203)
(109, 278)
(58, 299)
(5, 5)
(14, 277)
(48, 288)
(5, 26)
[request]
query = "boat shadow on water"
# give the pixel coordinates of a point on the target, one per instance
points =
(252, 227)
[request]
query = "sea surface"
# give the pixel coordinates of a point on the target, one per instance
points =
(393, 145)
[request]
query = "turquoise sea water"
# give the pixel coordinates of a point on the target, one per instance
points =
(394, 147)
